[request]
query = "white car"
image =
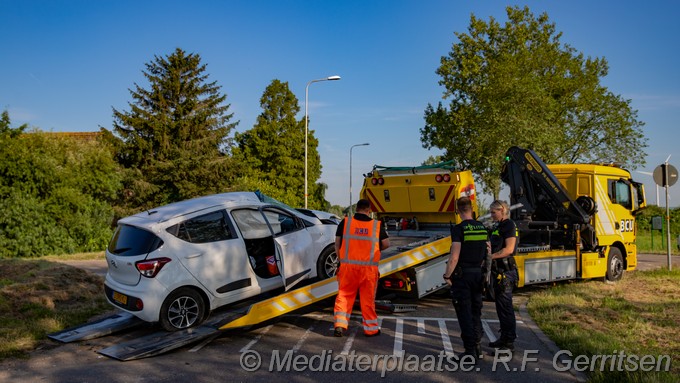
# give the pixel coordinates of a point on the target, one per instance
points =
(176, 263)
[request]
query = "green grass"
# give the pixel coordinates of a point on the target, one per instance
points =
(657, 244)
(639, 314)
(75, 257)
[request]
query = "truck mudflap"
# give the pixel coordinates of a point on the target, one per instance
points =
(103, 327)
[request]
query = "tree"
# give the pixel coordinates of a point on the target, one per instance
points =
(517, 84)
(6, 131)
(274, 151)
(174, 142)
(55, 193)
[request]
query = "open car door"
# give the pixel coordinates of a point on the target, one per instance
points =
(293, 244)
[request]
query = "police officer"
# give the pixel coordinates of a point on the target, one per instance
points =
(358, 243)
(469, 241)
(504, 240)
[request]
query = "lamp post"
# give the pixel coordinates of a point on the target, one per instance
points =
(329, 78)
(350, 175)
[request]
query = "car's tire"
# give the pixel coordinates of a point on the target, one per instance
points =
(615, 265)
(327, 264)
(182, 309)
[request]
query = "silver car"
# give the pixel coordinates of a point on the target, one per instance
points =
(176, 263)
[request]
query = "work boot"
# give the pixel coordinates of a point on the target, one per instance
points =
(502, 343)
(469, 352)
(338, 332)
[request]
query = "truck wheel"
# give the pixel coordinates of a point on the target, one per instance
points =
(614, 264)
(182, 309)
(327, 264)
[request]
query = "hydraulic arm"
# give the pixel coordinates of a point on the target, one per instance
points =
(548, 216)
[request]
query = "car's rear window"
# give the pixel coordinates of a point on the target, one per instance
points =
(129, 241)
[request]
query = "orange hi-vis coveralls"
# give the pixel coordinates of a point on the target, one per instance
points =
(359, 257)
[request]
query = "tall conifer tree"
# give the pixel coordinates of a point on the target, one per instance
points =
(174, 140)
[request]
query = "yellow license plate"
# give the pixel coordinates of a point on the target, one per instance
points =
(120, 298)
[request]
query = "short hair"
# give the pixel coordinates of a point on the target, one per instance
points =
(363, 204)
(464, 204)
(502, 206)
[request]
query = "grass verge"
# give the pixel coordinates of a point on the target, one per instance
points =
(656, 244)
(639, 315)
(38, 297)
(75, 257)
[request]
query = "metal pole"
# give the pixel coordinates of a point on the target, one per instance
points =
(330, 78)
(350, 175)
(668, 216)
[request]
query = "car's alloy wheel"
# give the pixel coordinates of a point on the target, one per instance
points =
(182, 309)
(327, 264)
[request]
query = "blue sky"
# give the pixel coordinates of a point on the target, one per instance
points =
(65, 64)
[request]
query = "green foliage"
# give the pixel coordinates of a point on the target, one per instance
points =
(337, 210)
(274, 150)
(517, 84)
(55, 194)
(656, 241)
(432, 160)
(644, 219)
(6, 129)
(173, 143)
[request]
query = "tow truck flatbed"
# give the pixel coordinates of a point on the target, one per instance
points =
(393, 260)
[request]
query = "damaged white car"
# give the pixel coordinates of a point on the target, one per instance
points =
(176, 263)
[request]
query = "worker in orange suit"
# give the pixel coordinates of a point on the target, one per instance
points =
(358, 243)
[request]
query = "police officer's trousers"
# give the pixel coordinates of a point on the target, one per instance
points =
(466, 294)
(504, 309)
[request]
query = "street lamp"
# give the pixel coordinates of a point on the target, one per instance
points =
(329, 78)
(350, 175)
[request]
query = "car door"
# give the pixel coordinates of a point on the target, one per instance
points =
(294, 246)
(212, 253)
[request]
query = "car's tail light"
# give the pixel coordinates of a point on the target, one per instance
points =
(150, 267)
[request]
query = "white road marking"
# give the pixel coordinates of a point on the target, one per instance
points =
(256, 339)
(446, 340)
(349, 342)
(421, 326)
(489, 333)
(398, 338)
(303, 338)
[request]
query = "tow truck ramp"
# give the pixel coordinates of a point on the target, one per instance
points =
(102, 327)
(161, 341)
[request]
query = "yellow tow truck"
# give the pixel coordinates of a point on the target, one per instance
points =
(576, 221)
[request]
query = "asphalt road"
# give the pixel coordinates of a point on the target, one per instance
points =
(300, 348)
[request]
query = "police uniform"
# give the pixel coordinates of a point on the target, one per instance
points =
(505, 277)
(466, 281)
(359, 256)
